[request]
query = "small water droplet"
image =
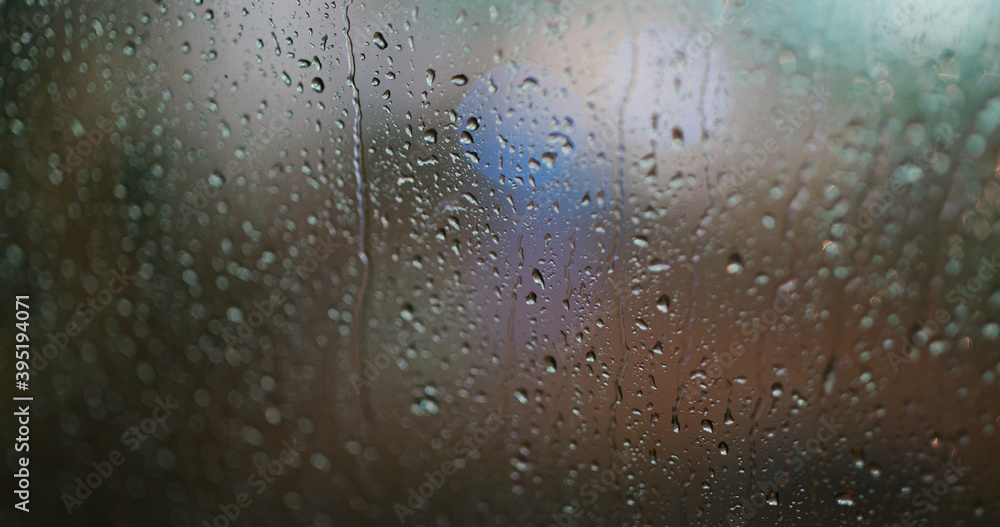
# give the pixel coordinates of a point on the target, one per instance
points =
(846, 499)
(772, 498)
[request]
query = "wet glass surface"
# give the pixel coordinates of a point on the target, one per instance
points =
(535, 263)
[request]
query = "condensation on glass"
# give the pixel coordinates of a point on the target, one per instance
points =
(564, 262)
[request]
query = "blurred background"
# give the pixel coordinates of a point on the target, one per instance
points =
(561, 262)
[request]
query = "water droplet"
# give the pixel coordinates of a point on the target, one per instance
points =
(663, 304)
(537, 277)
(846, 499)
(379, 40)
(550, 364)
(772, 498)
(735, 264)
(317, 85)
(658, 266)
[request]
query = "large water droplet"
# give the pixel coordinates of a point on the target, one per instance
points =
(663, 304)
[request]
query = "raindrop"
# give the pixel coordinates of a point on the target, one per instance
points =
(846, 499)
(735, 264)
(663, 304)
(536, 275)
(550, 364)
(317, 85)
(772, 498)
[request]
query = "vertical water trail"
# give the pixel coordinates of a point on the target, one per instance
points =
(616, 249)
(569, 265)
(510, 328)
(357, 331)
